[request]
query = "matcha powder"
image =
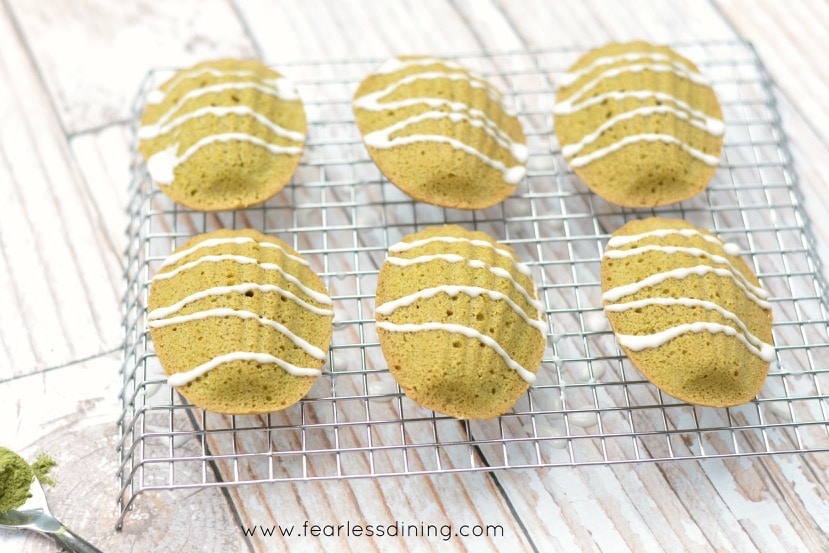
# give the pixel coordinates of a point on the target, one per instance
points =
(41, 468)
(16, 476)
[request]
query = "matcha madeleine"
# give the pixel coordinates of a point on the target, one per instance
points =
(224, 134)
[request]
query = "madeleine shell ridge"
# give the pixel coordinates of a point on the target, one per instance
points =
(687, 311)
(459, 322)
(441, 133)
(223, 134)
(240, 322)
(639, 124)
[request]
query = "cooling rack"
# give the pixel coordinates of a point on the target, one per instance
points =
(590, 405)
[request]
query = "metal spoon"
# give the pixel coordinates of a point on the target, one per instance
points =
(35, 515)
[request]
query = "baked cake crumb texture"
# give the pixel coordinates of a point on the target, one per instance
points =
(639, 124)
(459, 322)
(690, 315)
(224, 134)
(240, 322)
(441, 133)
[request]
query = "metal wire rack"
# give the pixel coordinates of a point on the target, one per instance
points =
(590, 406)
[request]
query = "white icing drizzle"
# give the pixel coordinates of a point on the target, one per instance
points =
(278, 82)
(518, 151)
(566, 107)
(406, 246)
(614, 294)
(309, 348)
(157, 96)
(614, 72)
(454, 290)
(623, 240)
(387, 308)
(693, 302)
(382, 388)
(732, 249)
(595, 321)
(393, 65)
(659, 63)
(433, 103)
(583, 419)
(512, 175)
(149, 132)
(710, 125)
(341, 318)
(372, 100)
(161, 317)
(528, 376)
(638, 343)
(473, 263)
(239, 240)
(382, 138)
(459, 111)
(653, 340)
(162, 312)
(182, 378)
(580, 161)
(569, 78)
(243, 260)
(282, 92)
(696, 252)
(162, 164)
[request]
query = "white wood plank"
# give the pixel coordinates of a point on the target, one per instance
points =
(352, 29)
(790, 43)
(93, 54)
(69, 413)
(541, 25)
(575, 24)
(810, 159)
(676, 506)
(103, 158)
(707, 496)
(789, 46)
(445, 502)
(64, 273)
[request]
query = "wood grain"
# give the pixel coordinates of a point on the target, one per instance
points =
(92, 53)
(62, 275)
(70, 72)
(724, 524)
(69, 413)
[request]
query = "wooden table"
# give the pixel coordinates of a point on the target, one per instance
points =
(68, 74)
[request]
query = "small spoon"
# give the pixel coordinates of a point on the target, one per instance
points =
(35, 515)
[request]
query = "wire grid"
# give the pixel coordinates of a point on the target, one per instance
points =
(590, 405)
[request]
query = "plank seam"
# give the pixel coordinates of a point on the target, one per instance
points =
(68, 364)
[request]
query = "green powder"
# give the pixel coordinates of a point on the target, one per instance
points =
(41, 468)
(16, 476)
